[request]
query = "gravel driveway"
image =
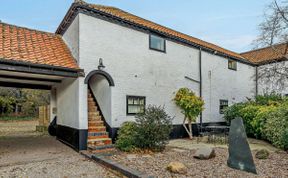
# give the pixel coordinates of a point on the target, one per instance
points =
(43, 156)
(182, 150)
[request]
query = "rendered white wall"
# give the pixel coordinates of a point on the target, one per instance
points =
(135, 68)
(102, 91)
(53, 103)
(271, 85)
(68, 103)
(219, 82)
(83, 108)
(79, 109)
(71, 37)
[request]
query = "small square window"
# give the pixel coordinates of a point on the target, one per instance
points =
(223, 106)
(157, 43)
(232, 65)
(135, 105)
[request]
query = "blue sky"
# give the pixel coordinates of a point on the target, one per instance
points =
(229, 23)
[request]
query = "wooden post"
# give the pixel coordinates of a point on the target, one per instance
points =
(44, 118)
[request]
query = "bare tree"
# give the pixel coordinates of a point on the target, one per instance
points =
(273, 30)
(274, 34)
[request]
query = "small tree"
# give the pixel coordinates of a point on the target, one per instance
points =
(191, 106)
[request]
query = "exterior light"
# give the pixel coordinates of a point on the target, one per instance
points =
(101, 65)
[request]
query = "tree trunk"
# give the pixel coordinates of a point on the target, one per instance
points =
(189, 131)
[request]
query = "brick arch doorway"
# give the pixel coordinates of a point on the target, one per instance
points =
(100, 84)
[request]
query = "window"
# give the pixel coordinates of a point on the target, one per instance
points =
(232, 65)
(223, 105)
(157, 43)
(135, 105)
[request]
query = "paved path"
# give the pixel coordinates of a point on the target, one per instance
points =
(192, 144)
(43, 156)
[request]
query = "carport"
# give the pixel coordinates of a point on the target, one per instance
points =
(35, 76)
(40, 60)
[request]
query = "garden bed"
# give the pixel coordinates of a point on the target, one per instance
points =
(155, 164)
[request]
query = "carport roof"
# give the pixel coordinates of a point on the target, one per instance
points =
(18, 44)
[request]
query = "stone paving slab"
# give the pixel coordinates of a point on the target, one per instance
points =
(193, 145)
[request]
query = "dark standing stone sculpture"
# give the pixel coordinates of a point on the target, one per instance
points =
(240, 156)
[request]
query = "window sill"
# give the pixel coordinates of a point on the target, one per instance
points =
(132, 114)
(232, 69)
(153, 49)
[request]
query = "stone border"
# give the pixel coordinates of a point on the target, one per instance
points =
(116, 166)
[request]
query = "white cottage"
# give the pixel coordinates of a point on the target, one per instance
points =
(146, 63)
(116, 65)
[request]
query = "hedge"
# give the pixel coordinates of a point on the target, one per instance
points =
(266, 117)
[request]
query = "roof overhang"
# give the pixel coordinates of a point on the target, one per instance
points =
(19, 66)
(272, 61)
(35, 76)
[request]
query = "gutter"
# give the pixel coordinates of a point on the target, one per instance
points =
(200, 84)
(271, 61)
(28, 67)
(63, 23)
(256, 80)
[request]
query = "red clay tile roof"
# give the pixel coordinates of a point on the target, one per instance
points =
(151, 25)
(268, 54)
(32, 46)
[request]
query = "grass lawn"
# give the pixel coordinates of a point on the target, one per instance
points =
(16, 118)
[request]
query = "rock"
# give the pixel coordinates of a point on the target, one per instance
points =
(205, 153)
(178, 150)
(240, 156)
(262, 154)
(131, 156)
(146, 156)
(177, 167)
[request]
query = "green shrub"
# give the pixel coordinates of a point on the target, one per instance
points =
(284, 139)
(259, 121)
(276, 126)
(269, 99)
(233, 111)
(265, 118)
(153, 128)
(150, 131)
(6, 104)
(248, 113)
(126, 137)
